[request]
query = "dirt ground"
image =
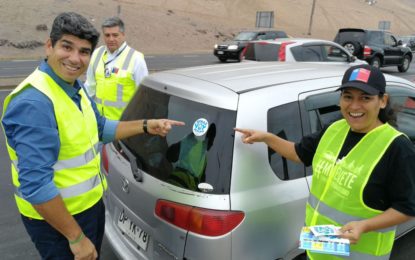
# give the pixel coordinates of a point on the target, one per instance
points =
(188, 26)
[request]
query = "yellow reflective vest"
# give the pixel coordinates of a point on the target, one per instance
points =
(114, 90)
(77, 170)
(337, 187)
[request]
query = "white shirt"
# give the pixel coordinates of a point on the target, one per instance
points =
(139, 70)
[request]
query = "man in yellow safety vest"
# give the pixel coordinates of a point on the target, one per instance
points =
(115, 71)
(52, 130)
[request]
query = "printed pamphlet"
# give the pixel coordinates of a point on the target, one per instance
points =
(324, 239)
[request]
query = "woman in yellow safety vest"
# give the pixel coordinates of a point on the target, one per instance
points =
(363, 167)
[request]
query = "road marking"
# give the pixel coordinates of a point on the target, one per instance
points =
(22, 60)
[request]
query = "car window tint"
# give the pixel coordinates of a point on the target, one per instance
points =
(184, 158)
(334, 54)
(281, 35)
(307, 53)
(245, 36)
(350, 36)
(389, 40)
(322, 110)
(375, 37)
(402, 102)
(285, 122)
(270, 35)
(262, 52)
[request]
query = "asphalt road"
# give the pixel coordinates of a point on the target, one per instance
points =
(22, 68)
(15, 243)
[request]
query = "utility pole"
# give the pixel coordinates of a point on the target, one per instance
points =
(311, 17)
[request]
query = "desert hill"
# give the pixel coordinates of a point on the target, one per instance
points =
(185, 26)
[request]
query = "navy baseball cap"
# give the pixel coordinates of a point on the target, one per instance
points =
(367, 78)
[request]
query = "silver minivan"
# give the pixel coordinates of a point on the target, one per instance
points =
(200, 193)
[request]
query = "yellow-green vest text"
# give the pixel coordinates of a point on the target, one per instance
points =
(115, 91)
(77, 171)
(337, 187)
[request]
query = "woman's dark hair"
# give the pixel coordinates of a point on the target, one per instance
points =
(387, 114)
(71, 23)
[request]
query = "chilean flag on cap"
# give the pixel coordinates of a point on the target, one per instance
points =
(360, 74)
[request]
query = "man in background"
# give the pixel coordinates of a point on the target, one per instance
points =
(115, 71)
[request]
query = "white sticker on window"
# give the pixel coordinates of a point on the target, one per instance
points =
(200, 127)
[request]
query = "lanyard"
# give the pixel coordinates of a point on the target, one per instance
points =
(118, 54)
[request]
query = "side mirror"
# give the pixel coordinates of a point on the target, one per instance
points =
(353, 58)
(399, 42)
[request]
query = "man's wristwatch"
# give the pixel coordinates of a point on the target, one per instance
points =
(145, 126)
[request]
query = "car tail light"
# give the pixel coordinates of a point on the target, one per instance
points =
(105, 159)
(242, 55)
(282, 51)
(263, 43)
(367, 51)
(199, 220)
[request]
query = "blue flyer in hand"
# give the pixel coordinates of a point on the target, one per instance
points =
(325, 230)
(325, 244)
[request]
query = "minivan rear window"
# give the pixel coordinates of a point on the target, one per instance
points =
(262, 51)
(199, 152)
(350, 36)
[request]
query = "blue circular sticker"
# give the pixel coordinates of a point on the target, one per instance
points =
(200, 127)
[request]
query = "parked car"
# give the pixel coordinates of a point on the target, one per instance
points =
(200, 193)
(233, 49)
(378, 48)
(408, 41)
(296, 49)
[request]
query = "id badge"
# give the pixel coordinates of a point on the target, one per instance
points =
(107, 73)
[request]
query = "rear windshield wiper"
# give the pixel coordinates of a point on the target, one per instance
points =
(135, 163)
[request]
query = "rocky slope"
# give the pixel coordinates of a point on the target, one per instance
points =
(185, 26)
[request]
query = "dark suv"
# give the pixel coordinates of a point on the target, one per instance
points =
(233, 49)
(378, 48)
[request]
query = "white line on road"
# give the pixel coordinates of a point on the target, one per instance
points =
(22, 60)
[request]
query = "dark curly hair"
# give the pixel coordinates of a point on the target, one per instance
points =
(73, 24)
(387, 114)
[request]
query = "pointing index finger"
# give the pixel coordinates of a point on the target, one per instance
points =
(176, 123)
(240, 130)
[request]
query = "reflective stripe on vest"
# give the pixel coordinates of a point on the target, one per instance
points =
(71, 163)
(339, 216)
(73, 191)
(118, 104)
(100, 52)
(353, 256)
(76, 161)
(76, 172)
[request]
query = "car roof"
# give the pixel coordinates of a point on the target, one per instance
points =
(247, 76)
(220, 84)
(361, 30)
(261, 30)
(297, 40)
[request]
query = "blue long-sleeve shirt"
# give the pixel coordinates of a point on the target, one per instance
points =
(31, 130)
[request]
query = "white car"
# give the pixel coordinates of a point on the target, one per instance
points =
(299, 50)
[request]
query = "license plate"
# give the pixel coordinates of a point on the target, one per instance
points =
(220, 52)
(133, 231)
